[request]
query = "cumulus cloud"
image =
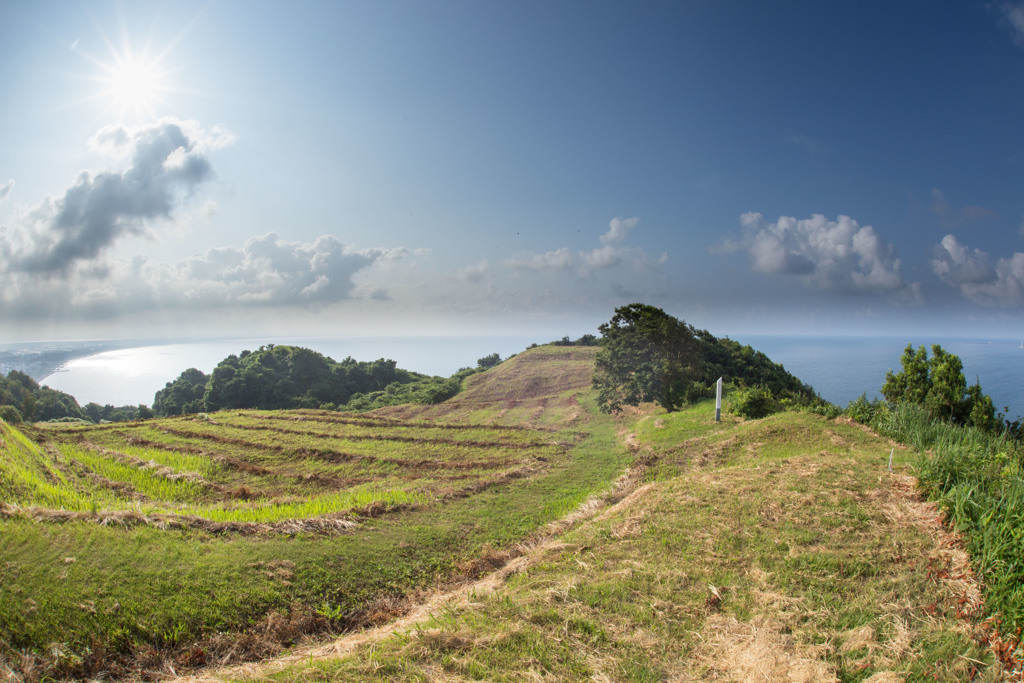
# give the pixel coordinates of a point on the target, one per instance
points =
(5, 190)
(266, 271)
(612, 252)
(839, 255)
(971, 271)
(270, 270)
(167, 162)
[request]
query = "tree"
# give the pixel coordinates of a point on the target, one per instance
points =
(646, 355)
(937, 384)
(488, 361)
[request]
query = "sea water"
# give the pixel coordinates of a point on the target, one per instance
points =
(839, 368)
(842, 368)
(132, 376)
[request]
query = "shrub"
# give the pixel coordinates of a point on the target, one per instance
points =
(10, 415)
(862, 410)
(753, 402)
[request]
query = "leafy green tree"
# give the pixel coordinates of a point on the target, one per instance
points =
(937, 384)
(948, 391)
(913, 382)
(646, 355)
(488, 361)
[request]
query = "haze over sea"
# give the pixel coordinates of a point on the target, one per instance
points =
(839, 368)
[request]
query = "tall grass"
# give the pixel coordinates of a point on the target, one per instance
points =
(977, 477)
(28, 475)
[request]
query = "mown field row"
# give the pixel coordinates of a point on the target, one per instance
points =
(262, 467)
(136, 549)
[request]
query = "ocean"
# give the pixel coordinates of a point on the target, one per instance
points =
(842, 368)
(839, 368)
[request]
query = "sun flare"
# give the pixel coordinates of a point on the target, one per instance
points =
(133, 86)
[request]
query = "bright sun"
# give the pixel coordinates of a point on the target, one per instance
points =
(133, 85)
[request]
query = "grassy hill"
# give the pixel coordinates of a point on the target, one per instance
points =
(639, 547)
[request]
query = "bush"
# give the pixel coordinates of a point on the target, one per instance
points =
(10, 415)
(698, 391)
(823, 408)
(754, 402)
(862, 410)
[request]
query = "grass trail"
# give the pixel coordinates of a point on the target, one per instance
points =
(779, 549)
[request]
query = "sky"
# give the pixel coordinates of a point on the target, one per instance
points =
(176, 169)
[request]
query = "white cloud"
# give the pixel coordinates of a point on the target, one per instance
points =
(167, 161)
(612, 252)
(972, 272)
(266, 271)
(618, 229)
(837, 255)
(5, 190)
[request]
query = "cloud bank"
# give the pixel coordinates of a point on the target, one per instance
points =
(999, 285)
(57, 259)
(838, 255)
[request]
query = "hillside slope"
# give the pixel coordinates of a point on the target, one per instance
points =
(780, 549)
(776, 549)
(166, 544)
(538, 387)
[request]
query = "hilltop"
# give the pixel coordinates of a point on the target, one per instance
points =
(643, 546)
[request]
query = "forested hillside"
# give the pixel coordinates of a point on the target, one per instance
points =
(276, 377)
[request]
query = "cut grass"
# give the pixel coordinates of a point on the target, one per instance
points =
(763, 563)
(81, 598)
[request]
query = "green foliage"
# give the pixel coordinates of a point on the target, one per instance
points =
(753, 402)
(35, 403)
(488, 361)
(585, 340)
(279, 377)
(10, 415)
(740, 364)
(182, 396)
(938, 385)
(646, 355)
(862, 410)
(108, 413)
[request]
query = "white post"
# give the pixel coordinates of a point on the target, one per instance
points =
(718, 400)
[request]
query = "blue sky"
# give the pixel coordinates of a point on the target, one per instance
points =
(495, 167)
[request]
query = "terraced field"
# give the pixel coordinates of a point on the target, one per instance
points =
(177, 542)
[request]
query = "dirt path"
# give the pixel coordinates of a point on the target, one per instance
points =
(625, 491)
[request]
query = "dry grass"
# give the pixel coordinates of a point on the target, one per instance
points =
(747, 566)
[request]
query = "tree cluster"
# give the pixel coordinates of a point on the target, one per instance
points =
(278, 377)
(22, 399)
(937, 384)
(648, 355)
(33, 402)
